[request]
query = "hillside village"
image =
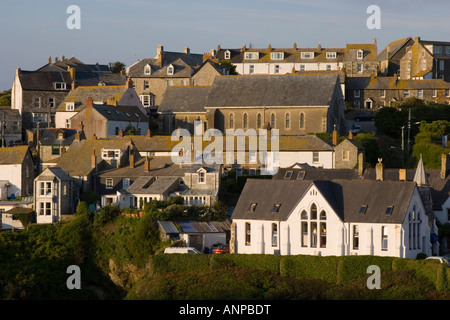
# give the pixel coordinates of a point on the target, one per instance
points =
(81, 132)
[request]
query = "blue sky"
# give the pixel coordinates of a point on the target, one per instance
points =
(128, 30)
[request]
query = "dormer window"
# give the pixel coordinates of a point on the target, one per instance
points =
(251, 56)
(60, 85)
(70, 106)
(331, 55)
(147, 69)
(307, 55)
(288, 175)
(108, 154)
(60, 135)
(360, 54)
(170, 70)
(277, 55)
(227, 55)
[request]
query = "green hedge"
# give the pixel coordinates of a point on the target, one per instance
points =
(178, 262)
(332, 269)
(354, 267)
(310, 267)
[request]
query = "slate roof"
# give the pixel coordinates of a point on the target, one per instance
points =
(345, 197)
(293, 54)
(13, 155)
(80, 94)
(184, 99)
(49, 137)
(43, 81)
(56, 171)
(150, 185)
(121, 113)
(440, 188)
(394, 47)
(76, 161)
(392, 83)
(272, 90)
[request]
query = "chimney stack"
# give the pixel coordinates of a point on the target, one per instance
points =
(49, 60)
(149, 133)
(89, 102)
(187, 50)
(147, 165)
(121, 133)
(379, 170)
(160, 55)
(77, 136)
(335, 137)
(360, 163)
(63, 149)
(129, 83)
(74, 85)
(402, 174)
(132, 162)
(350, 135)
(94, 137)
(443, 166)
(93, 159)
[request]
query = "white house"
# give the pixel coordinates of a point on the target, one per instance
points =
(16, 172)
(340, 217)
(55, 195)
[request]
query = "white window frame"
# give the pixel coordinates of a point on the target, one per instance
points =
(109, 183)
(70, 106)
(227, 55)
(60, 85)
(356, 93)
(315, 157)
(251, 55)
(125, 183)
(360, 54)
(420, 93)
(307, 55)
(147, 70)
(170, 70)
(331, 55)
(276, 55)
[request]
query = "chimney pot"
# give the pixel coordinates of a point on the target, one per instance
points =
(379, 170)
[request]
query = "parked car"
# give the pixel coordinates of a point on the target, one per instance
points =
(223, 248)
(189, 250)
(355, 128)
(440, 259)
(362, 117)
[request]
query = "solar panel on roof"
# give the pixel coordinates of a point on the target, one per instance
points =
(187, 227)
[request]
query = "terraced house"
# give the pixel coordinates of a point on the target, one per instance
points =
(357, 59)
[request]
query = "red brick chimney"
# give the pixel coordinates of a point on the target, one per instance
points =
(129, 83)
(89, 102)
(63, 149)
(149, 133)
(350, 135)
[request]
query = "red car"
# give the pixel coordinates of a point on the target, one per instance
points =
(221, 249)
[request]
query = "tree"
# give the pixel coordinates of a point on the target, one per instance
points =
(370, 144)
(389, 121)
(131, 131)
(117, 67)
(230, 66)
(428, 142)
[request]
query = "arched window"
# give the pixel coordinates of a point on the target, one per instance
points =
(288, 121)
(323, 234)
(272, 120)
(259, 121)
(323, 215)
(231, 124)
(245, 121)
(304, 215)
(313, 211)
(302, 120)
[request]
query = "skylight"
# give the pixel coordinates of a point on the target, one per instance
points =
(363, 209)
(288, 174)
(252, 207)
(276, 207)
(389, 210)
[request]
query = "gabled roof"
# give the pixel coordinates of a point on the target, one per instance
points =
(394, 47)
(345, 197)
(53, 171)
(272, 90)
(13, 155)
(121, 113)
(393, 83)
(31, 80)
